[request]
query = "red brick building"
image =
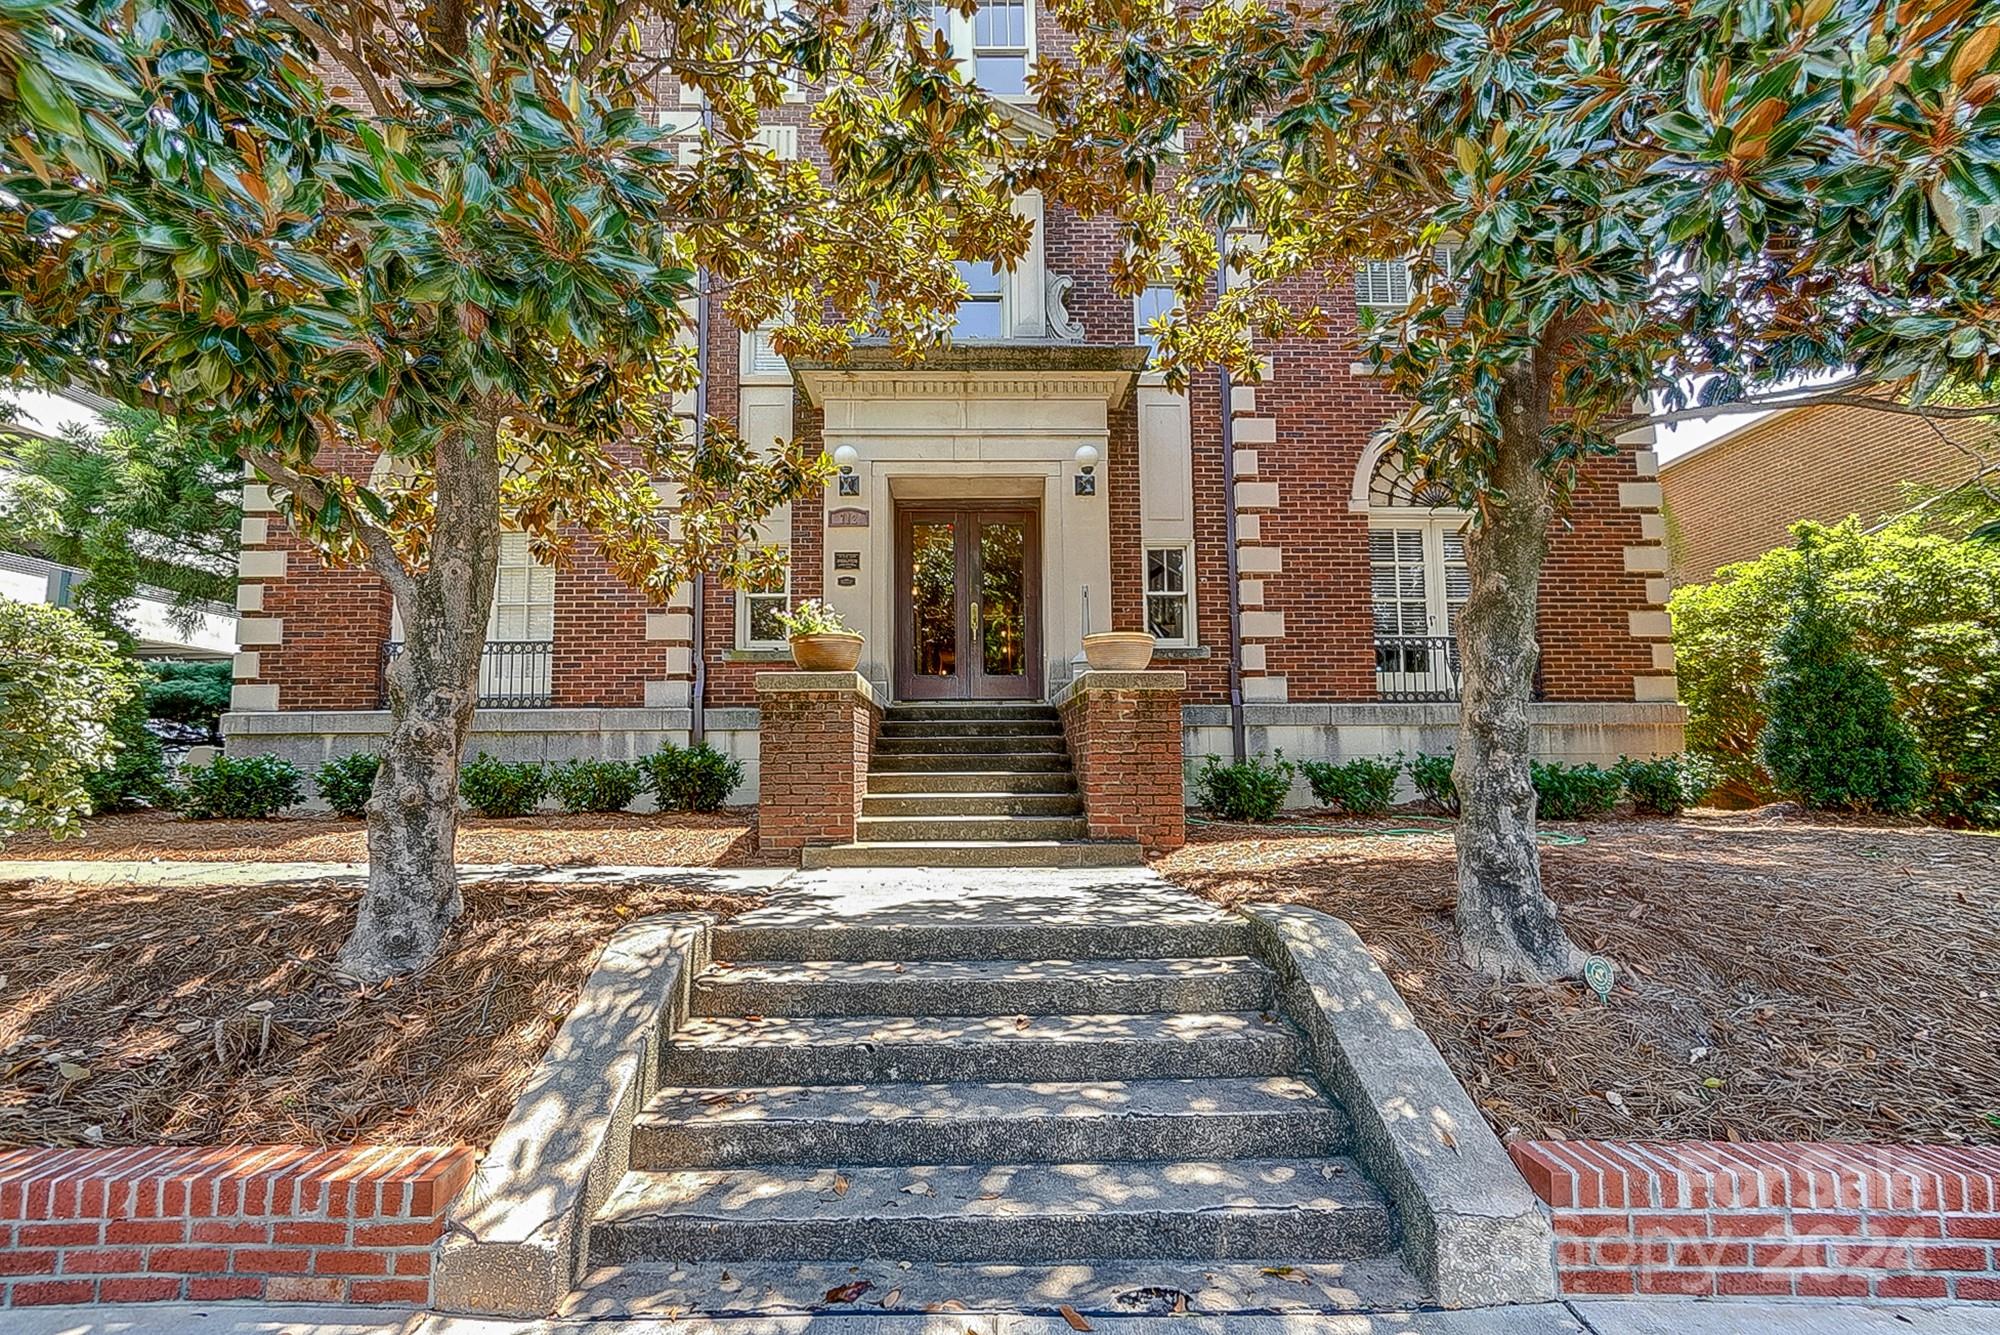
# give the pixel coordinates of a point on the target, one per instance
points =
(1737, 496)
(1032, 483)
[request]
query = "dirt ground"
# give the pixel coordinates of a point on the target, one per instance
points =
(1778, 976)
(725, 839)
(212, 1016)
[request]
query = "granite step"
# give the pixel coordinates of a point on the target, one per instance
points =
(986, 804)
(968, 744)
(895, 761)
(982, 987)
(994, 1122)
(937, 783)
(970, 711)
(1185, 1291)
(1024, 727)
(1192, 1209)
(1073, 853)
(846, 1050)
(967, 829)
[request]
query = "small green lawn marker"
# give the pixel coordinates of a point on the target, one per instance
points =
(1597, 974)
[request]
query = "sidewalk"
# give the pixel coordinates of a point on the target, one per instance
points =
(1617, 1316)
(166, 873)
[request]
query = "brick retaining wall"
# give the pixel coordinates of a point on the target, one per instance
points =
(1771, 1219)
(282, 1223)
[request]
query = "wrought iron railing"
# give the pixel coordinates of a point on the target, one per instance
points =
(1416, 668)
(513, 674)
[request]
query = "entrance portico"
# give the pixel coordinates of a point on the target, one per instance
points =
(968, 541)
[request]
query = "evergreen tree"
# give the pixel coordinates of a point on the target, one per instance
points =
(1833, 737)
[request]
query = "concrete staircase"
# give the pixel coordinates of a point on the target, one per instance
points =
(997, 1103)
(972, 785)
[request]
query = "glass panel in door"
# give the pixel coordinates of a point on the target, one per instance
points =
(934, 599)
(1003, 612)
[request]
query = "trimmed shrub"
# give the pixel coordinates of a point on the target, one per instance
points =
(1834, 738)
(1360, 787)
(62, 687)
(1662, 787)
(695, 778)
(346, 782)
(1922, 607)
(1573, 792)
(239, 788)
(1431, 776)
(595, 785)
(1252, 789)
(137, 775)
(501, 788)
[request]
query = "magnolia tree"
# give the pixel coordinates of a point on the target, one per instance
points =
(1608, 206)
(464, 238)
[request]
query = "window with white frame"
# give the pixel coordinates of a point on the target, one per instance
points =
(524, 594)
(1169, 600)
(980, 312)
(995, 43)
(1155, 303)
(1385, 284)
(1418, 582)
(758, 611)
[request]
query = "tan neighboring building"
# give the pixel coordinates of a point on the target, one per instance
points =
(1736, 496)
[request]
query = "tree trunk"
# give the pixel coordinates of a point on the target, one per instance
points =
(412, 896)
(1506, 922)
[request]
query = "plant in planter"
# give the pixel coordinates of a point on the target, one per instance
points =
(821, 641)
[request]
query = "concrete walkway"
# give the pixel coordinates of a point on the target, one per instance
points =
(165, 873)
(1624, 1316)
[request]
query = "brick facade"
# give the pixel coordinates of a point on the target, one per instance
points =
(1124, 735)
(280, 1223)
(1738, 495)
(1304, 437)
(818, 729)
(1771, 1219)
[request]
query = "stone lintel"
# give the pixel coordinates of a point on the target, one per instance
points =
(773, 683)
(1150, 679)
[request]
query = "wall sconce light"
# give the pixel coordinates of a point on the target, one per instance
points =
(1086, 465)
(849, 482)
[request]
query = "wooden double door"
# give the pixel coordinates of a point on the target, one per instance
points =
(968, 602)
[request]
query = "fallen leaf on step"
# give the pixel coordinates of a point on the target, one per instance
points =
(918, 1189)
(891, 1298)
(1075, 1318)
(1180, 1304)
(839, 1185)
(948, 1305)
(847, 1293)
(1020, 1022)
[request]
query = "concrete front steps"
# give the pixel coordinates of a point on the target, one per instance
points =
(992, 1104)
(972, 785)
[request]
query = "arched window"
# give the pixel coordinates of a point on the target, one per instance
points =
(1418, 581)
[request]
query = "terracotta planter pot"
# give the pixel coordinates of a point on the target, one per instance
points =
(1118, 650)
(835, 652)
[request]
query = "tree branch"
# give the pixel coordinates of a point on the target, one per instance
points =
(349, 58)
(381, 547)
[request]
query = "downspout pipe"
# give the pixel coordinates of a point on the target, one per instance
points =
(698, 689)
(1238, 745)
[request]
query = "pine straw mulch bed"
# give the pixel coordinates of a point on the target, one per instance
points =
(679, 839)
(140, 1016)
(1779, 977)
